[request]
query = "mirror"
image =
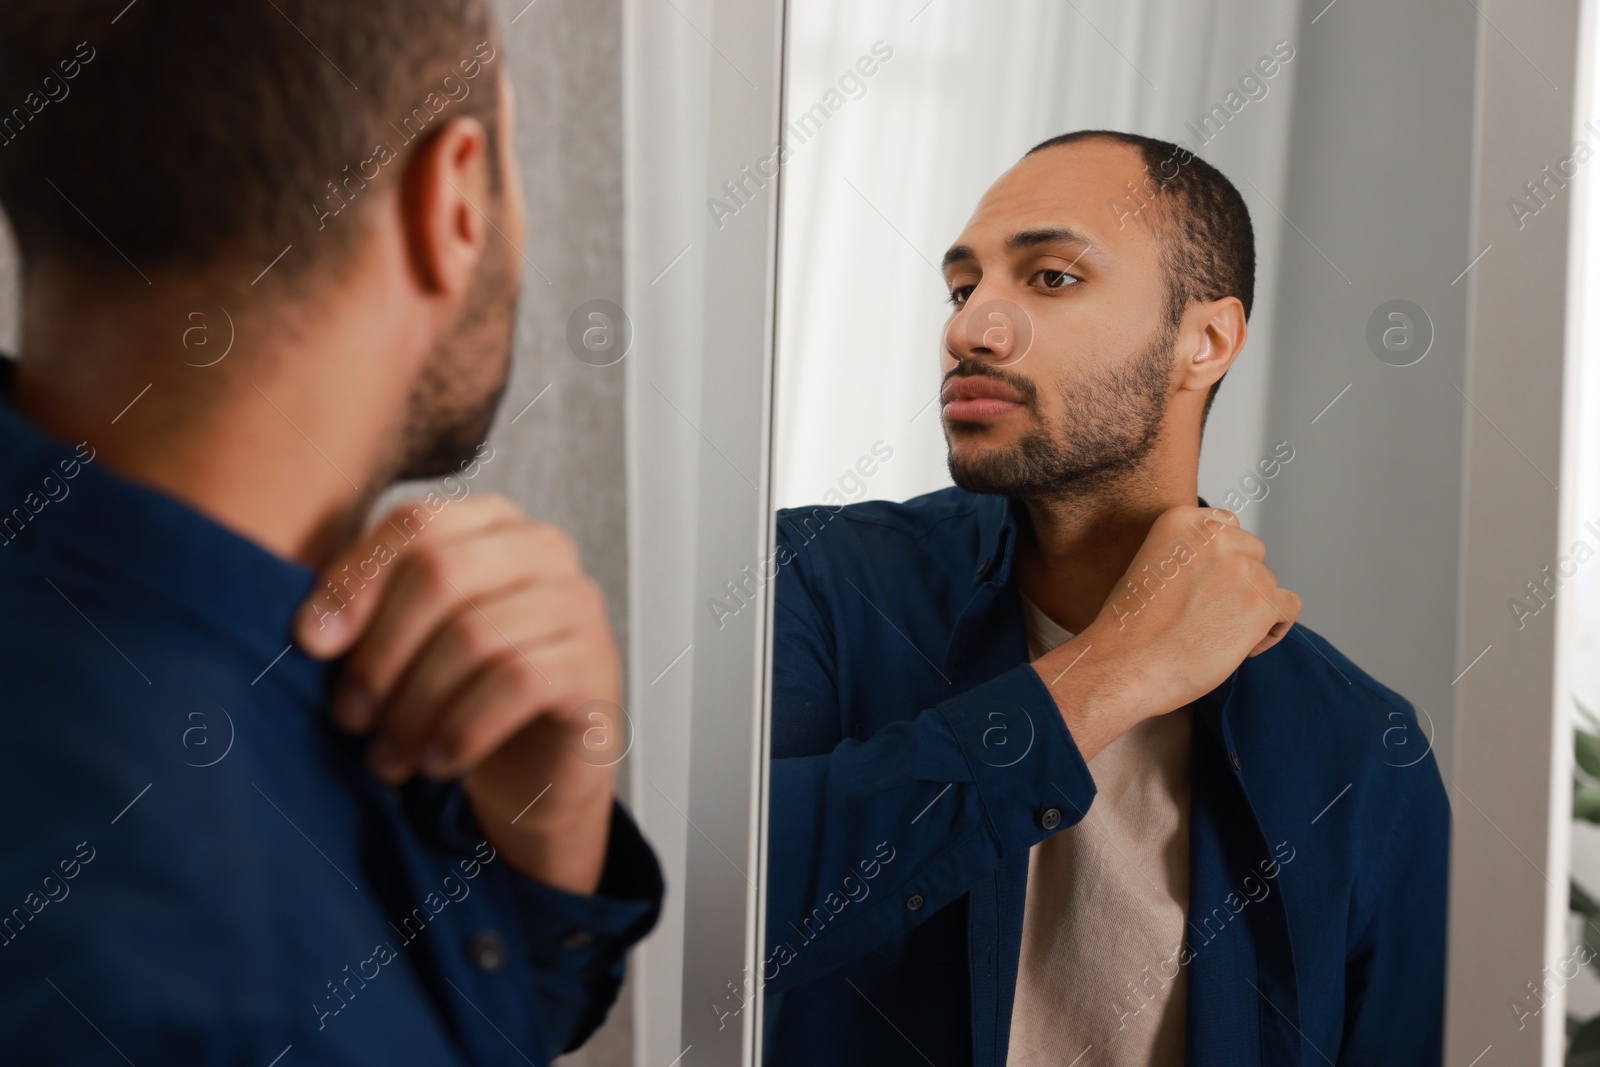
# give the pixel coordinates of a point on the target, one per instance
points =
(1023, 806)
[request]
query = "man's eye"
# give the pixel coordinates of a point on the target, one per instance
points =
(959, 294)
(1056, 279)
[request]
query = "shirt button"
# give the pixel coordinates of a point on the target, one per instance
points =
(1050, 818)
(914, 901)
(487, 951)
(1236, 765)
(577, 939)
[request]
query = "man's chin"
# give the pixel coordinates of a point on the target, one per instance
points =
(453, 447)
(441, 463)
(1028, 466)
(983, 468)
(979, 440)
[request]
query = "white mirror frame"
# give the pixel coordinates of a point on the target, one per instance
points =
(1510, 781)
(701, 100)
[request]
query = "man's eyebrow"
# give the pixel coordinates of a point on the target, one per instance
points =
(1050, 235)
(957, 254)
(1023, 239)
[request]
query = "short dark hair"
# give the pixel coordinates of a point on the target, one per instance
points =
(1208, 245)
(190, 134)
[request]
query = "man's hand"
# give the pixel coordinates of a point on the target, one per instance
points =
(479, 647)
(1196, 602)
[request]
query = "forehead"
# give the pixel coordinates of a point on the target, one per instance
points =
(1082, 186)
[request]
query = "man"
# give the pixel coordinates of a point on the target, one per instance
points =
(1056, 779)
(270, 260)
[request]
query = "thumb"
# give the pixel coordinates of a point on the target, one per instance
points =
(351, 588)
(347, 591)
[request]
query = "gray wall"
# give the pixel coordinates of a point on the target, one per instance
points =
(565, 457)
(1425, 495)
(563, 460)
(1364, 522)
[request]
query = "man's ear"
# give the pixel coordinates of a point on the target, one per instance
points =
(1210, 337)
(443, 198)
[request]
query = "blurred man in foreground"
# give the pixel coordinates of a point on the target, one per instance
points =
(270, 260)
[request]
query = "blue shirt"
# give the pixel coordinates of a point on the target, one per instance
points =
(197, 867)
(916, 758)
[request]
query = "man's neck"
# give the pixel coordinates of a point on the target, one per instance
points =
(1071, 552)
(283, 442)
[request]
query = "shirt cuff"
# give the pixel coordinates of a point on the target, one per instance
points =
(574, 931)
(1031, 778)
(563, 929)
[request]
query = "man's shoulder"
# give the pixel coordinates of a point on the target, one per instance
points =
(1318, 719)
(85, 637)
(946, 521)
(1314, 666)
(108, 695)
(1339, 769)
(917, 553)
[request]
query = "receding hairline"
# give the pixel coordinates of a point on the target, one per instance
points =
(1044, 231)
(1163, 216)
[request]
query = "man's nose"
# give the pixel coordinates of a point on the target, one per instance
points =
(993, 330)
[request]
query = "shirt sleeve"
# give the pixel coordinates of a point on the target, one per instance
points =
(875, 836)
(1394, 974)
(579, 944)
(576, 945)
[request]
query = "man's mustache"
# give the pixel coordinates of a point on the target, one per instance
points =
(973, 368)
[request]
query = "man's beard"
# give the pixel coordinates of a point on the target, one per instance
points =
(1111, 424)
(455, 399)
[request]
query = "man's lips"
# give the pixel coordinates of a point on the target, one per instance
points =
(978, 398)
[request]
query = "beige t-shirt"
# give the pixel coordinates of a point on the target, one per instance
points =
(1099, 982)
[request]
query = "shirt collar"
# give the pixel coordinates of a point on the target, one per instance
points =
(998, 519)
(997, 536)
(235, 588)
(998, 522)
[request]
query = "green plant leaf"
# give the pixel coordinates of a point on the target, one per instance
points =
(1586, 802)
(1586, 747)
(1592, 941)
(1584, 1048)
(1581, 901)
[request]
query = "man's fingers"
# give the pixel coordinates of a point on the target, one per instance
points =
(1287, 606)
(347, 593)
(501, 700)
(516, 624)
(401, 747)
(509, 635)
(427, 590)
(483, 636)
(1278, 632)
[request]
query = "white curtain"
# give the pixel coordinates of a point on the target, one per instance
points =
(875, 196)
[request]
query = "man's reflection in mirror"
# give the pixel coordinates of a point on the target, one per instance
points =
(1057, 777)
